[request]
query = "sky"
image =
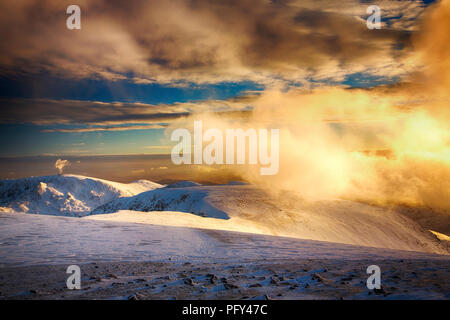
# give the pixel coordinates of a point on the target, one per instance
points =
(362, 113)
(135, 69)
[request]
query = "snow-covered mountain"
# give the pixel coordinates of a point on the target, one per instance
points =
(188, 199)
(68, 195)
(246, 207)
(236, 207)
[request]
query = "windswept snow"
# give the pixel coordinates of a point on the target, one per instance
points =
(68, 195)
(233, 207)
(250, 209)
(39, 239)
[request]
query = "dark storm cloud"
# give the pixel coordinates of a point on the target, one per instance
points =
(199, 40)
(51, 112)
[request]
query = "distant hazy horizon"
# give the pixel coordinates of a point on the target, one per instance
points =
(121, 168)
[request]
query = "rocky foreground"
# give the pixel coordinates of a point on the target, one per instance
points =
(287, 279)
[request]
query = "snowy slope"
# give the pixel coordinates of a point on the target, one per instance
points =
(249, 209)
(69, 195)
(119, 260)
(233, 207)
(40, 239)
